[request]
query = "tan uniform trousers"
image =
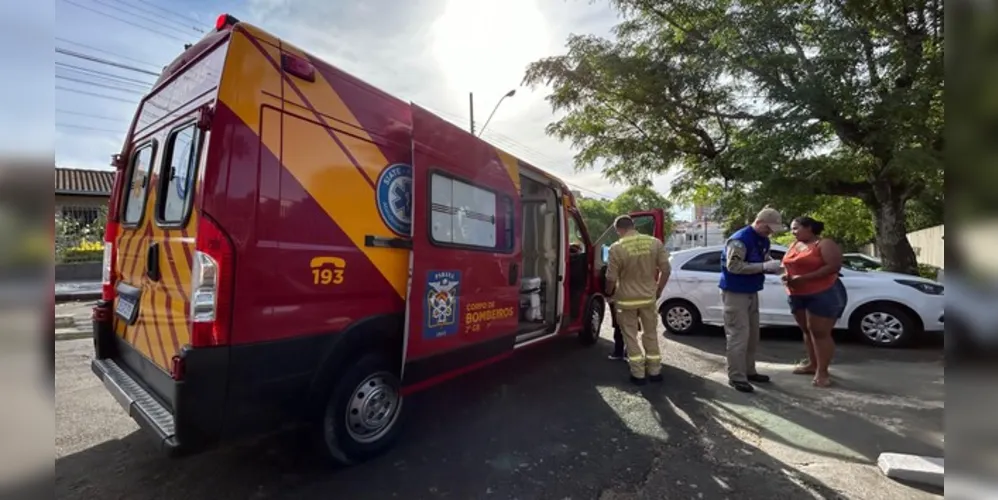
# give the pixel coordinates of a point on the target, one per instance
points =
(648, 361)
(741, 327)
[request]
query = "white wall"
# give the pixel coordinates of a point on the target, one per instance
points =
(928, 244)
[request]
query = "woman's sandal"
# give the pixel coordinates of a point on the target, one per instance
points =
(804, 370)
(822, 382)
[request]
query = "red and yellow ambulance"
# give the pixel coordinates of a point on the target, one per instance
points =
(287, 242)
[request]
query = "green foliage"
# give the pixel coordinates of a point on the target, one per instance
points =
(600, 214)
(764, 102)
(928, 271)
(785, 239)
(81, 255)
(77, 242)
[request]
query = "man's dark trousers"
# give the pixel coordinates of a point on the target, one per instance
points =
(618, 337)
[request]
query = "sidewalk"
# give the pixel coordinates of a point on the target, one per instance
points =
(72, 320)
(77, 290)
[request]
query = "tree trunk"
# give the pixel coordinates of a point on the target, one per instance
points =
(891, 232)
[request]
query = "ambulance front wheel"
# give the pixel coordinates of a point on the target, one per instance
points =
(589, 334)
(363, 416)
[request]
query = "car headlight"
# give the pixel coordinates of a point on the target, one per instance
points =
(921, 286)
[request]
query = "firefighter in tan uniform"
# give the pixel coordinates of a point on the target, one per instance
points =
(637, 271)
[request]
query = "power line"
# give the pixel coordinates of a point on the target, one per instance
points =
(81, 127)
(130, 23)
(168, 11)
(94, 94)
(85, 46)
(514, 145)
(147, 11)
(102, 74)
(89, 115)
(156, 22)
(99, 60)
(87, 78)
(96, 84)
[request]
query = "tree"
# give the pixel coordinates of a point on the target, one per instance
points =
(768, 99)
(600, 214)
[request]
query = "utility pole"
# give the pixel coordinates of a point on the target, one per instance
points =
(471, 110)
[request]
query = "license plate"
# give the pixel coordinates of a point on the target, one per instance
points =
(125, 309)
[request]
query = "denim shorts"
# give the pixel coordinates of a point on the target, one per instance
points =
(830, 303)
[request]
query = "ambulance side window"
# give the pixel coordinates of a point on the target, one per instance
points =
(137, 185)
(176, 179)
(465, 215)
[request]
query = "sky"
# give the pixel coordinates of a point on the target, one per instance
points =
(431, 52)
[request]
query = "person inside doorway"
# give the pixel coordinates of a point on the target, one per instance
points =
(816, 295)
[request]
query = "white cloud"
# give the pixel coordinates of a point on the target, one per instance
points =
(432, 52)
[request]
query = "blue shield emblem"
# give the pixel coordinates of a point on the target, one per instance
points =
(394, 198)
(442, 303)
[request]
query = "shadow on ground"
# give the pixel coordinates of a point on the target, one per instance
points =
(557, 422)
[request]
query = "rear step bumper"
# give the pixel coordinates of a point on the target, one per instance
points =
(138, 403)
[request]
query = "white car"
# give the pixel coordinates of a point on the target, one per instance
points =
(861, 262)
(885, 309)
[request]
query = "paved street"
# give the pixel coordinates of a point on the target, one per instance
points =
(559, 422)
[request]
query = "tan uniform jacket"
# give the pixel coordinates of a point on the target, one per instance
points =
(635, 263)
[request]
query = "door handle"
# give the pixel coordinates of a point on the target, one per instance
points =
(152, 262)
(514, 273)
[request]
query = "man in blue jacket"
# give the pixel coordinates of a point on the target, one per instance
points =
(745, 261)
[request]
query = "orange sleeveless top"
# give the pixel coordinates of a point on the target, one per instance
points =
(807, 261)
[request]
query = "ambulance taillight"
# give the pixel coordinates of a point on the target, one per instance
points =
(211, 285)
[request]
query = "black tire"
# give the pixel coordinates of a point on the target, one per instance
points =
(684, 309)
(593, 322)
(333, 429)
(863, 324)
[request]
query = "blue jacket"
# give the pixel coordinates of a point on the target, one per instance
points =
(756, 250)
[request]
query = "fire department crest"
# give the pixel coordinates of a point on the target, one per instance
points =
(394, 198)
(443, 290)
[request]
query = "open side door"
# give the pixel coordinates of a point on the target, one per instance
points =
(463, 304)
(650, 222)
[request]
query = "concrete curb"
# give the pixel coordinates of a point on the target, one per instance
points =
(69, 328)
(75, 296)
(913, 468)
(72, 334)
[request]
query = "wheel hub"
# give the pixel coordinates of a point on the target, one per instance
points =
(373, 407)
(596, 323)
(679, 318)
(882, 327)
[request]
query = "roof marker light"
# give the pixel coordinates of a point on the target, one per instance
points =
(224, 21)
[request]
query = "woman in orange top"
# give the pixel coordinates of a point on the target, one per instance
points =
(816, 295)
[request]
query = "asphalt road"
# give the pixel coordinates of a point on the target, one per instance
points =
(557, 422)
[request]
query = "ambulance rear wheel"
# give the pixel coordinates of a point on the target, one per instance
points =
(363, 416)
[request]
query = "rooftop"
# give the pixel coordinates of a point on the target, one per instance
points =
(80, 182)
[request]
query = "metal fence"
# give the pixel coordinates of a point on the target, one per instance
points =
(79, 234)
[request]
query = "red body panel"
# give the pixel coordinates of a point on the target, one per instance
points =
(460, 295)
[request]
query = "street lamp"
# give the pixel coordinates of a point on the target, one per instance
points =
(511, 93)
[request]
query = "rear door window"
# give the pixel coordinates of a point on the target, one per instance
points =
(709, 262)
(138, 184)
(177, 175)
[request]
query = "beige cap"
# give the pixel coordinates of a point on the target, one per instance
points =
(772, 218)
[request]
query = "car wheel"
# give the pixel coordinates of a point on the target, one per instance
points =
(884, 325)
(589, 334)
(363, 415)
(680, 317)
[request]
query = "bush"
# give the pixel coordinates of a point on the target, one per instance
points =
(74, 255)
(928, 271)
